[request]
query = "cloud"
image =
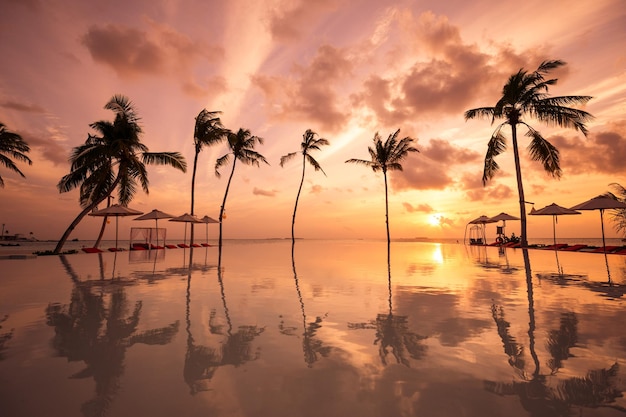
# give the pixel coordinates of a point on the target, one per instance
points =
(603, 151)
(431, 167)
(266, 193)
(23, 107)
(316, 189)
(288, 23)
(48, 145)
(310, 92)
(422, 208)
(159, 51)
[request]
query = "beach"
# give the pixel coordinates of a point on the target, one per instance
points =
(442, 329)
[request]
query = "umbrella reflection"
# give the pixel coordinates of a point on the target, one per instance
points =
(97, 328)
(537, 394)
(393, 333)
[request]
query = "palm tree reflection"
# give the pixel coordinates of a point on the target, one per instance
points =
(4, 337)
(201, 362)
(393, 333)
(598, 388)
(312, 347)
(97, 327)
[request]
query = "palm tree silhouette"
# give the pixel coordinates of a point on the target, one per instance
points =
(241, 147)
(387, 157)
(12, 147)
(309, 143)
(208, 131)
(527, 94)
(116, 159)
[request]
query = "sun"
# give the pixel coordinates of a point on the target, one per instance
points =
(434, 219)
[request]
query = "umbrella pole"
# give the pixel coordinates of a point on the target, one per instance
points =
(116, 227)
(554, 229)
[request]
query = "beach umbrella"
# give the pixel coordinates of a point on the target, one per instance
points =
(117, 211)
(503, 217)
(553, 210)
(482, 221)
(155, 215)
(207, 220)
(601, 202)
(186, 218)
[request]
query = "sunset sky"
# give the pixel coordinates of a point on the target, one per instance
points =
(346, 70)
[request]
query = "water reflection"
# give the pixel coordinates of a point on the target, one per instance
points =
(393, 333)
(4, 337)
(538, 393)
(312, 346)
(97, 327)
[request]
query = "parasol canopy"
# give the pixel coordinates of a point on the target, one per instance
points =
(116, 210)
(186, 218)
(553, 210)
(601, 202)
(155, 215)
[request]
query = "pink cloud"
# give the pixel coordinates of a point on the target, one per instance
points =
(266, 193)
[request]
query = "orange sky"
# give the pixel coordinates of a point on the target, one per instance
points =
(343, 69)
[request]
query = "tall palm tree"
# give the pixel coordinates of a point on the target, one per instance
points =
(309, 143)
(387, 157)
(241, 147)
(12, 147)
(527, 94)
(114, 160)
(208, 131)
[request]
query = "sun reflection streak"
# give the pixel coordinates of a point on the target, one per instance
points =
(437, 254)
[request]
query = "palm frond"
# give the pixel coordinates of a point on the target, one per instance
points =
(543, 151)
(221, 161)
(314, 163)
(496, 145)
(359, 162)
(286, 158)
(173, 159)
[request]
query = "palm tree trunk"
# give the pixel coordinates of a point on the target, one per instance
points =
(224, 204)
(387, 214)
(104, 225)
(520, 187)
(80, 216)
(193, 187)
(295, 208)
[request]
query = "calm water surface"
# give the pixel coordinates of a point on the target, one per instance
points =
(442, 330)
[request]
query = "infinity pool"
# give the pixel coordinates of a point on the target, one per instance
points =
(334, 330)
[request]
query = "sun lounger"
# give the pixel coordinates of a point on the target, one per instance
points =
(621, 251)
(156, 247)
(91, 250)
(171, 246)
(609, 249)
(558, 246)
(206, 245)
(196, 245)
(575, 248)
(183, 245)
(116, 249)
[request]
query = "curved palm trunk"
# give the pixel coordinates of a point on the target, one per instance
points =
(224, 205)
(295, 208)
(193, 188)
(387, 214)
(104, 225)
(80, 217)
(520, 187)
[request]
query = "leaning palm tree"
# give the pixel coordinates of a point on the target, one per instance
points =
(114, 160)
(12, 147)
(387, 157)
(241, 147)
(527, 94)
(310, 143)
(208, 131)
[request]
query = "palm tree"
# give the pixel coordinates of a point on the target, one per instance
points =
(527, 94)
(387, 157)
(241, 146)
(310, 143)
(208, 131)
(12, 147)
(114, 160)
